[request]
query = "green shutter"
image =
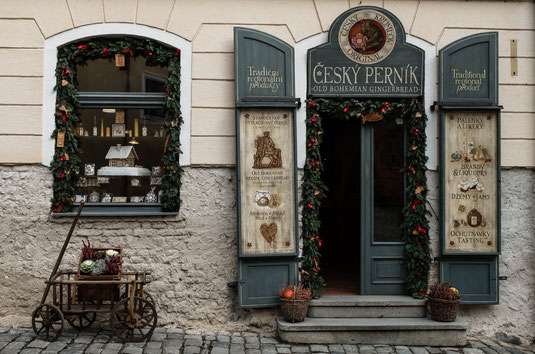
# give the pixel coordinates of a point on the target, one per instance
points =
(260, 280)
(476, 279)
(261, 275)
(474, 273)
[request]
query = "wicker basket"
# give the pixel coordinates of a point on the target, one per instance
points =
(443, 310)
(294, 310)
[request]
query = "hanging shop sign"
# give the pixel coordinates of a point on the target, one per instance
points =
(267, 178)
(366, 56)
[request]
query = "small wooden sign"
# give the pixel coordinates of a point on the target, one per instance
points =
(372, 117)
(119, 117)
(119, 60)
(60, 139)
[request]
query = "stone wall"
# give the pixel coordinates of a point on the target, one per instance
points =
(515, 315)
(194, 256)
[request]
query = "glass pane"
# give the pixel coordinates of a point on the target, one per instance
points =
(102, 75)
(121, 159)
(388, 181)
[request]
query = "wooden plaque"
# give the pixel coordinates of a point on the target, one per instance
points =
(267, 182)
(119, 116)
(471, 194)
(119, 60)
(60, 139)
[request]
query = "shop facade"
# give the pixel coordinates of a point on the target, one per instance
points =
(133, 82)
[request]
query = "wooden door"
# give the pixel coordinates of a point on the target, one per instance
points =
(382, 200)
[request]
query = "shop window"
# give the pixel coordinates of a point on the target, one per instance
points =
(117, 128)
(122, 139)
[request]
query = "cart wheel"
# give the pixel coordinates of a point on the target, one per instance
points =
(146, 295)
(82, 320)
(47, 322)
(139, 326)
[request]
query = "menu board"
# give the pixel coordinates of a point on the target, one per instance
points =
(470, 185)
(267, 181)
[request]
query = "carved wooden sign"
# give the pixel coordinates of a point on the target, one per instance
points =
(471, 213)
(267, 180)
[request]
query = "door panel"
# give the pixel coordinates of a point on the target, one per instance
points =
(476, 280)
(382, 190)
(259, 280)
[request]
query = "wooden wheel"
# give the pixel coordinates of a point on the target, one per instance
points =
(133, 320)
(146, 295)
(81, 321)
(47, 322)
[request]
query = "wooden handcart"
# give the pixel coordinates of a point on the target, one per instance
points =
(132, 310)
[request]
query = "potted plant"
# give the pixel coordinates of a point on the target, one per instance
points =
(294, 302)
(99, 264)
(443, 302)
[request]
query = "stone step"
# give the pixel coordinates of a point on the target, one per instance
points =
(366, 306)
(394, 331)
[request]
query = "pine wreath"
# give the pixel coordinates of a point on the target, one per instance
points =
(415, 225)
(66, 162)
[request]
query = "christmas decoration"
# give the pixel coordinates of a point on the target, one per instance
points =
(314, 191)
(65, 171)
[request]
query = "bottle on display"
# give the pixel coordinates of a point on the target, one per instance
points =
(144, 129)
(95, 129)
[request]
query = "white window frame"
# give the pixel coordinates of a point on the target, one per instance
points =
(113, 29)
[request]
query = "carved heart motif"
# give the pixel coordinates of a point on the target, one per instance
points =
(269, 232)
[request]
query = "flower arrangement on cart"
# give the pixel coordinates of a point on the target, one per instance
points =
(98, 286)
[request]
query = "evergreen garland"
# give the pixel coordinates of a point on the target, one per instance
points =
(66, 162)
(415, 225)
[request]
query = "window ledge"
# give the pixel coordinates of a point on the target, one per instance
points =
(119, 209)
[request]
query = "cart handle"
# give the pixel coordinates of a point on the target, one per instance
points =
(60, 257)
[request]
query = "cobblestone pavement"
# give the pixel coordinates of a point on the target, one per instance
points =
(174, 340)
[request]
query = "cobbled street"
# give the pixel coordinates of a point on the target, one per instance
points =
(175, 340)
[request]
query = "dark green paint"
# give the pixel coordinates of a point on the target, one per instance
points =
(475, 275)
(261, 276)
(330, 55)
(476, 58)
(122, 99)
(382, 270)
(264, 70)
(120, 209)
(475, 278)
(259, 280)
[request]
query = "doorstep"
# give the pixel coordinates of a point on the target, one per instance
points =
(367, 306)
(394, 331)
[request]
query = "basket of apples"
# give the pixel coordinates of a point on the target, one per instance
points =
(294, 302)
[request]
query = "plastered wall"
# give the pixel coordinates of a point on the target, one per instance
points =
(26, 24)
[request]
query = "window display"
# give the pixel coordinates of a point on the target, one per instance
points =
(122, 148)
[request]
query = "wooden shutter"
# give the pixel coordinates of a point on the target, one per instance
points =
(469, 126)
(267, 212)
